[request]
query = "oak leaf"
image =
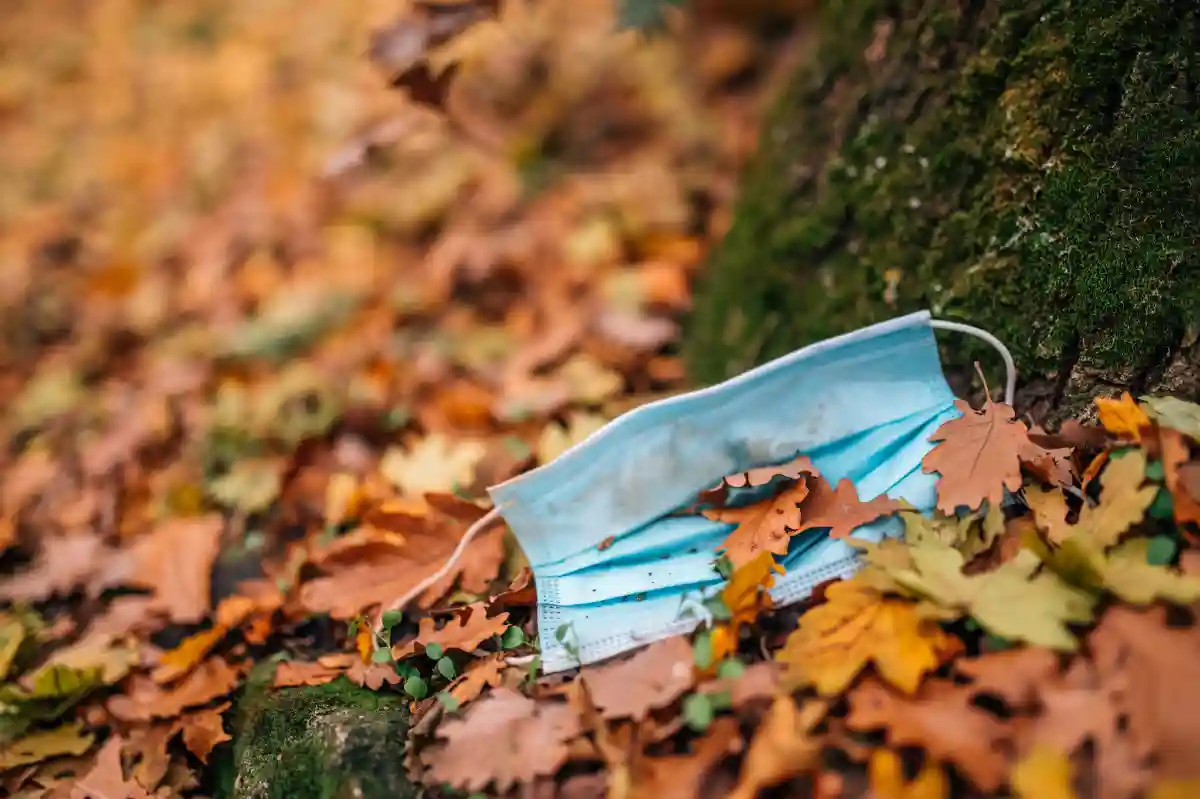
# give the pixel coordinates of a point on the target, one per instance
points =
(765, 526)
(1043, 773)
(978, 456)
(372, 676)
(783, 747)
(1014, 675)
(175, 561)
(653, 678)
(858, 625)
(482, 673)
(291, 673)
(683, 776)
(746, 593)
(231, 612)
(504, 739)
(794, 469)
(1123, 501)
(68, 739)
(940, 718)
(203, 730)
(1122, 417)
(466, 631)
(64, 563)
(106, 778)
(885, 773)
(840, 509)
(145, 700)
(1050, 512)
(148, 746)
(1051, 465)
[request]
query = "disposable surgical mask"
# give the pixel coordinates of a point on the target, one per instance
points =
(615, 564)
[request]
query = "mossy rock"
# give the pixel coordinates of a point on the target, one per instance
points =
(332, 741)
(1027, 166)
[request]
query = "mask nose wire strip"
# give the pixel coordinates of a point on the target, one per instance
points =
(1010, 366)
(475, 529)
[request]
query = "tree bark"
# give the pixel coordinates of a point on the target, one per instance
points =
(1028, 166)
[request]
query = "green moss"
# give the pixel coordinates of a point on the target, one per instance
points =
(333, 741)
(1029, 167)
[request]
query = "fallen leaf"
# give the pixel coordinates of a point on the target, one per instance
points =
(1123, 501)
(1175, 414)
(1050, 512)
(1122, 417)
(434, 463)
(148, 746)
(465, 631)
(782, 748)
(106, 779)
(840, 509)
(69, 739)
(504, 739)
(110, 660)
(794, 469)
(556, 439)
(1014, 675)
(13, 634)
(291, 673)
(683, 776)
(857, 625)
(746, 593)
(886, 775)
(64, 563)
(175, 562)
(1043, 774)
(765, 526)
(1052, 466)
(978, 456)
(941, 719)
(372, 676)
(653, 678)
(482, 673)
(203, 730)
(1175, 454)
(145, 700)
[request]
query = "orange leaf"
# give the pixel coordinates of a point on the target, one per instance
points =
(292, 673)
(761, 527)
(1123, 417)
(653, 678)
(840, 509)
(106, 778)
(482, 673)
(364, 642)
(783, 747)
(372, 675)
(175, 561)
(179, 661)
(978, 457)
(746, 592)
(144, 700)
(465, 631)
(1175, 453)
(203, 730)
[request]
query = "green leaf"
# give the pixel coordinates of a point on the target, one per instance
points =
(1161, 550)
(702, 651)
(416, 687)
(1174, 413)
(720, 700)
(512, 638)
(560, 634)
(1155, 471)
(445, 667)
(12, 635)
(69, 739)
(406, 668)
(434, 651)
(1163, 505)
(391, 618)
(724, 567)
(381, 655)
(698, 712)
(449, 701)
(717, 607)
(731, 669)
(352, 628)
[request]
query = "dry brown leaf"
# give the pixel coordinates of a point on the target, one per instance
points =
(1014, 675)
(765, 526)
(175, 561)
(840, 509)
(475, 569)
(149, 746)
(1051, 465)
(939, 718)
(858, 625)
(482, 673)
(978, 456)
(466, 631)
(64, 563)
(783, 747)
(372, 675)
(794, 469)
(292, 673)
(1175, 454)
(1122, 417)
(106, 779)
(145, 700)
(504, 739)
(886, 775)
(653, 678)
(683, 776)
(203, 730)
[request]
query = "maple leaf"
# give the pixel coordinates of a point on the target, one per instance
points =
(840, 509)
(106, 779)
(765, 526)
(941, 719)
(372, 676)
(1044, 773)
(782, 748)
(1050, 512)
(145, 700)
(978, 456)
(175, 561)
(885, 773)
(465, 631)
(68, 739)
(653, 678)
(971, 534)
(1122, 417)
(434, 463)
(857, 625)
(1123, 501)
(504, 739)
(482, 673)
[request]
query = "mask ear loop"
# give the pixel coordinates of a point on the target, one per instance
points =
(1010, 366)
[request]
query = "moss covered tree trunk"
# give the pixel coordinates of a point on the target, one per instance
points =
(1028, 166)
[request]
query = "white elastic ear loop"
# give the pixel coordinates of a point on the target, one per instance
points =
(1010, 366)
(475, 529)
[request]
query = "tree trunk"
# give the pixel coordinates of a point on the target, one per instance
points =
(1028, 166)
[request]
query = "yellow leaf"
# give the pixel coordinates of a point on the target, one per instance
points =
(69, 739)
(857, 625)
(1123, 501)
(12, 634)
(886, 774)
(1044, 773)
(110, 661)
(782, 748)
(1122, 417)
(343, 498)
(433, 464)
(1174, 789)
(746, 592)
(555, 439)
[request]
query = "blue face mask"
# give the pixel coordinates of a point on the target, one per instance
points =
(614, 570)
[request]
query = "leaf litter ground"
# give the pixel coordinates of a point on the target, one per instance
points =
(271, 327)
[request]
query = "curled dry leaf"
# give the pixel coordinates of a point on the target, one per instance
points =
(978, 456)
(482, 673)
(466, 631)
(765, 526)
(941, 719)
(840, 509)
(505, 739)
(1122, 417)
(144, 700)
(783, 747)
(858, 625)
(653, 678)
